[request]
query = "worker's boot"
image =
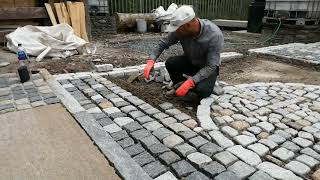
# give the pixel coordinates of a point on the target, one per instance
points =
(190, 98)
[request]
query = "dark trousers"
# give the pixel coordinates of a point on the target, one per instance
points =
(179, 65)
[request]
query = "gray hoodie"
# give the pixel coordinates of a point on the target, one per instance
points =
(203, 51)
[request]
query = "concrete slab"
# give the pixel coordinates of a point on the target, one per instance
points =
(47, 143)
(230, 23)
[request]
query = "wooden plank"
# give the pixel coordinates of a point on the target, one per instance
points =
(23, 13)
(51, 14)
(88, 21)
(24, 3)
(6, 3)
(74, 16)
(59, 13)
(62, 13)
(83, 29)
(65, 13)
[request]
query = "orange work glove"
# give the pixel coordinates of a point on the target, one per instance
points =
(185, 87)
(149, 66)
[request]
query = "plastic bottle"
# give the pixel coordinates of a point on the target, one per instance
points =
(23, 69)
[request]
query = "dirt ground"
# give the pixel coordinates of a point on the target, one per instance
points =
(153, 94)
(122, 50)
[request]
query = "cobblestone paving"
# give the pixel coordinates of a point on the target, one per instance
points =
(260, 131)
(19, 96)
(304, 52)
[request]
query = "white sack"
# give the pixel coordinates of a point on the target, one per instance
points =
(36, 39)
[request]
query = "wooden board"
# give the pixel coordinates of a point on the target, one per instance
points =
(83, 29)
(51, 14)
(6, 3)
(23, 13)
(25, 3)
(63, 16)
(75, 17)
(65, 13)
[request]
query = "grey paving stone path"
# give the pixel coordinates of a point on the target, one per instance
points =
(309, 53)
(262, 130)
(15, 96)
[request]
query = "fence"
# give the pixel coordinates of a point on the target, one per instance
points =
(209, 9)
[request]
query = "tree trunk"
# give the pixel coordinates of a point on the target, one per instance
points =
(127, 20)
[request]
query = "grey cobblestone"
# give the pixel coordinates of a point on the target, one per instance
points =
(283, 154)
(308, 160)
(199, 159)
(149, 140)
(188, 134)
(122, 121)
(298, 168)
(225, 158)
(144, 119)
(169, 158)
(245, 140)
(167, 121)
(259, 175)
(197, 176)
(105, 121)
(128, 109)
(260, 149)
(154, 169)
(160, 116)
(310, 152)
(152, 111)
(144, 158)
(213, 169)
(158, 149)
(166, 106)
(117, 136)
(221, 140)
(227, 175)
(182, 168)
(152, 126)
(132, 126)
(172, 141)
(245, 155)
(134, 149)
(229, 131)
(126, 142)
(210, 149)
(184, 149)
(162, 133)
(242, 169)
(139, 134)
(178, 127)
(302, 142)
(136, 114)
(198, 141)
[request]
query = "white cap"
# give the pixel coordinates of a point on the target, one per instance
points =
(181, 16)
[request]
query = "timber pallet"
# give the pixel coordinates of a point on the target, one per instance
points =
(291, 21)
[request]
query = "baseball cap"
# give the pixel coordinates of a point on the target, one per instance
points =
(181, 16)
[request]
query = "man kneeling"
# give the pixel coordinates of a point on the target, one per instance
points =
(202, 42)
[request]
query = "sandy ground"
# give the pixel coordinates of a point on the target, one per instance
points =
(47, 143)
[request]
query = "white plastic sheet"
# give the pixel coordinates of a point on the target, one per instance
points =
(36, 39)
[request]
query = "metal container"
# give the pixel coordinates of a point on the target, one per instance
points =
(141, 26)
(294, 9)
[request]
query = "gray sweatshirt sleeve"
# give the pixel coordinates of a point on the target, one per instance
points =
(165, 43)
(213, 59)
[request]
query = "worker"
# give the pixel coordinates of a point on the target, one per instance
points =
(202, 41)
